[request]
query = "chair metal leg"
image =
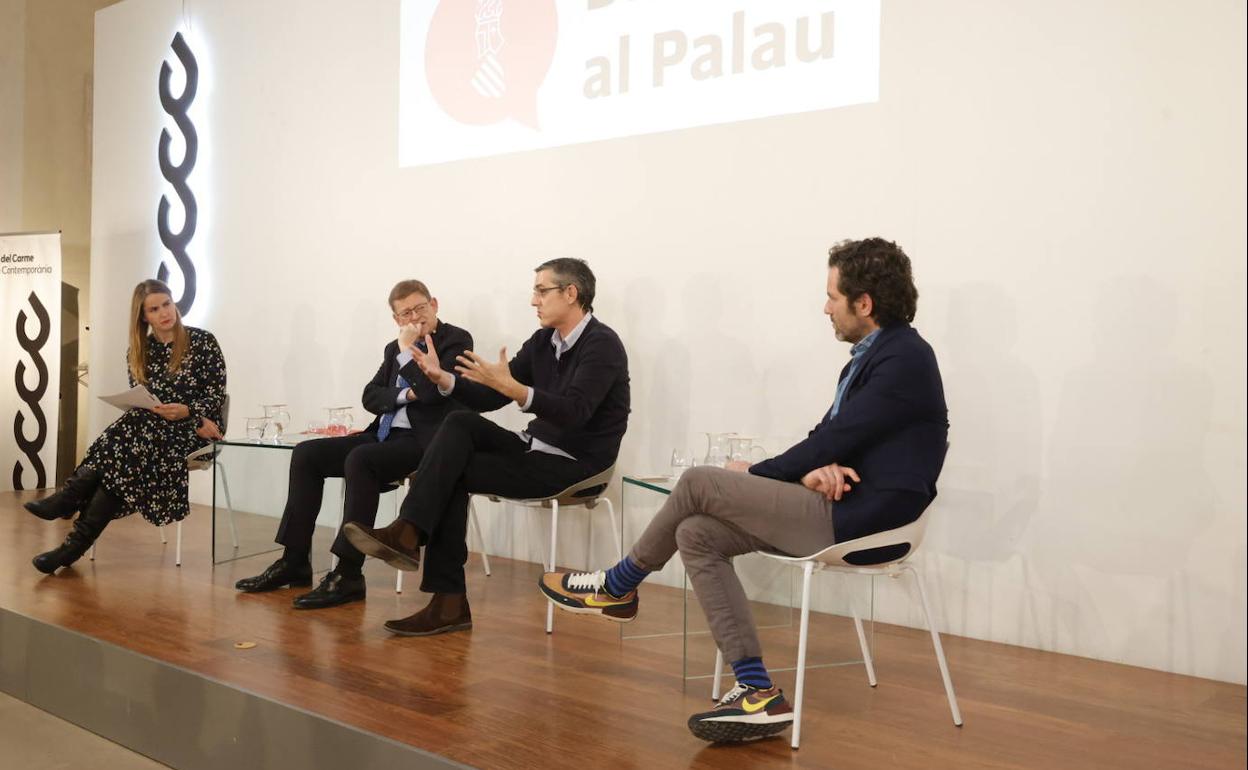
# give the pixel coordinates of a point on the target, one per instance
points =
(476, 528)
(229, 504)
(342, 512)
(719, 674)
(554, 541)
(398, 573)
(589, 538)
(862, 644)
(163, 539)
(92, 553)
(807, 569)
(178, 553)
(940, 651)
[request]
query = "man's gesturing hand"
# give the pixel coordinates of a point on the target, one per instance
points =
(428, 362)
(492, 374)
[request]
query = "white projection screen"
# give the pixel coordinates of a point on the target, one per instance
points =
(487, 77)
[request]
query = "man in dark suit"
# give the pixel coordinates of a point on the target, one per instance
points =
(868, 466)
(571, 375)
(409, 411)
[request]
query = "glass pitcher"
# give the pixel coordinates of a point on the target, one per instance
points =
(718, 448)
(744, 449)
(278, 419)
(339, 422)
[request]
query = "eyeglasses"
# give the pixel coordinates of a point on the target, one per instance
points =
(412, 312)
(540, 291)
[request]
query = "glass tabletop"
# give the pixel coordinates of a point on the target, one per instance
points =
(286, 442)
(250, 482)
(661, 484)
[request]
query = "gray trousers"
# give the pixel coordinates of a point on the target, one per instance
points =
(713, 515)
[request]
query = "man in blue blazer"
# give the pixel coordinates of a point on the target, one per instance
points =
(409, 410)
(869, 465)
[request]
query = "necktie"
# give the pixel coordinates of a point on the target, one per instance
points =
(387, 419)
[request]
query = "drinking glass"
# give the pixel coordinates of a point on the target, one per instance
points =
(682, 460)
(255, 428)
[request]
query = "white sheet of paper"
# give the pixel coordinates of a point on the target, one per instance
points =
(138, 397)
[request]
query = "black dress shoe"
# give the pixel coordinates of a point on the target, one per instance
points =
(280, 574)
(334, 589)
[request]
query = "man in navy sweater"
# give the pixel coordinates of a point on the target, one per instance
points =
(571, 375)
(869, 465)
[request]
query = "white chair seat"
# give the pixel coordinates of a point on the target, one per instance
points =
(586, 494)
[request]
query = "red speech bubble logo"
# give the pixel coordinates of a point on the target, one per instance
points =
(485, 59)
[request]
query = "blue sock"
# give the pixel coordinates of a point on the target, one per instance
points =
(624, 577)
(752, 672)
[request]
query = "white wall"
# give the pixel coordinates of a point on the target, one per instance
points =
(12, 108)
(1067, 177)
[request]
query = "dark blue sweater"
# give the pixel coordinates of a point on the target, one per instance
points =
(580, 401)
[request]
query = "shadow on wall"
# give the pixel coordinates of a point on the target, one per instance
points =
(1127, 493)
(346, 385)
(660, 373)
(990, 487)
(298, 392)
(723, 329)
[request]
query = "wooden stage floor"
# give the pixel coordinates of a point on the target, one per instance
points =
(506, 695)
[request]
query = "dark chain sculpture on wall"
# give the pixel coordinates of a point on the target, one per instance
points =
(33, 347)
(177, 108)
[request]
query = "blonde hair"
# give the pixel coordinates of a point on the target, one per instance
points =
(137, 356)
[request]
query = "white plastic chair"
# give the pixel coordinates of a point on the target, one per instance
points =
(832, 559)
(587, 494)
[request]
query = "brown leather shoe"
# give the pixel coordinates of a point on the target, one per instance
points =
(397, 545)
(444, 613)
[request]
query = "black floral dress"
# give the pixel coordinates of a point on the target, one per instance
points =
(142, 456)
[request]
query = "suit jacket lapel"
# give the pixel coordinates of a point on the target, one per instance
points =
(887, 335)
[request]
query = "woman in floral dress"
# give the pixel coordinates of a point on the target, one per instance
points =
(138, 464)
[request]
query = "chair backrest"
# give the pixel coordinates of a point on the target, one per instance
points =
(586, 492)
(896, 545)
(201, 460)
(225, 414)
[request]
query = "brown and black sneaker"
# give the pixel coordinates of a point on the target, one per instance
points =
(586, 593)
(745, 714)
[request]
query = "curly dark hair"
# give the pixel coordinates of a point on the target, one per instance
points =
(881, 269)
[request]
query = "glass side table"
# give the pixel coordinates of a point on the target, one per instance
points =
(254, 474)
(760, 576)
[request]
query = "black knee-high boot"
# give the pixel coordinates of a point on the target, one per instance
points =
(87, 527)
(73, 495)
